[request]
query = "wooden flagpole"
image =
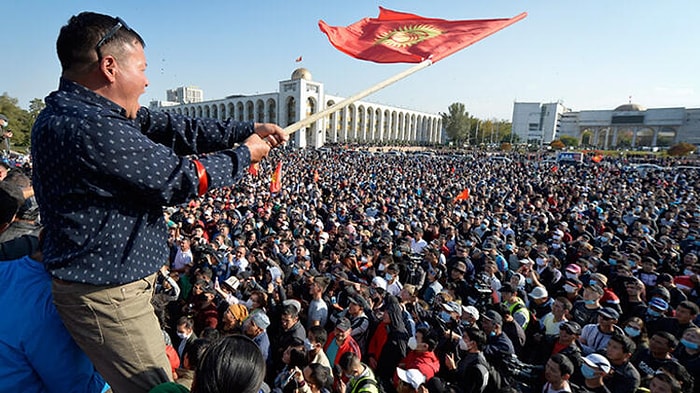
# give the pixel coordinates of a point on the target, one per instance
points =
(292, 128)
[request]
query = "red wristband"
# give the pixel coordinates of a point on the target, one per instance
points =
(203, 178)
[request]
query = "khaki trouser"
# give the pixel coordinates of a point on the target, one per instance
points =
(118, 330)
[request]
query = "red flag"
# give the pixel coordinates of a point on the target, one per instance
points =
(254, 169)
(298, 59)
(555, 168)
(398, 37)
(316, 176)
(597, 158)
(464, 195)
(276, 182)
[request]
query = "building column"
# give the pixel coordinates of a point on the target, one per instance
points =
(656, 135)
(634, 136)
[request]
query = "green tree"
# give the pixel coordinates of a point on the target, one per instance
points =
(457, 123)
(569, 140)
(681, 149)
(21, 121)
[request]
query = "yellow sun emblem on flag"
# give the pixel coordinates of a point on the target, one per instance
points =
(406, 36)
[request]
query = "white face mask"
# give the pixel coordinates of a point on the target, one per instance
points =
(569, 289)
(463, 345)
(540, 261)
(248, 303)
(571, 275)
(308, 345)
(183, 336)
(412, 343)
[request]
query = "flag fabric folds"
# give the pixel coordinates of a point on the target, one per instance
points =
(276, 181)
(254, 169)
(463, 196)
(298, 59)
(398, 37)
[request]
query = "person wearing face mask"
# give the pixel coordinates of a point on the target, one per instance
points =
(688, 352)
(595, 367)
(585, 311)
(391, 275)
(316, 338)
(548, 275)
(498, 344)
(655, 317)
(471, 372)
(421, 355)
(185, 336)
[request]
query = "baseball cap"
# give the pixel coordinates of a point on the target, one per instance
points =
(571, 327)
(493, 316)
(412, 377)
(471, 310)
(343, 324)
(595, 360)
(573, 268)
(538, 293)
(452, 307)
(608, 312)
(379, 282)
(658, 304)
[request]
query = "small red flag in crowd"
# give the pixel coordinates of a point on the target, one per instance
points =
(276, 182)
(464, 195)
(399, 37)
(316, 176)
(597, 158)
(555, 168)
(254, 169)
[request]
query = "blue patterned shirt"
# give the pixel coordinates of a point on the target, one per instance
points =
(102, 179)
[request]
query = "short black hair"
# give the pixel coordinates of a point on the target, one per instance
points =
(231, 364)
(476, 335)
(628, 346)
(320, 334)
(564, 363)
(11, 199)
(672, 340)
(78, 39)
(687, 304)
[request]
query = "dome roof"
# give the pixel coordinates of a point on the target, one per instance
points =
(301, 73)
(630, 108)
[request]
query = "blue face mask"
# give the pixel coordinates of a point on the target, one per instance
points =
(632, 332)
(612, 262)
(587, 372)
(653, 313)
(445, 316)
(589, 301)
(690, 345)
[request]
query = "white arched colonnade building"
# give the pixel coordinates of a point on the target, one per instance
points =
(300, 97)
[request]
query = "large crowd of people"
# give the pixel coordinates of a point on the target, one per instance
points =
(378, 272)
(373, 254)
